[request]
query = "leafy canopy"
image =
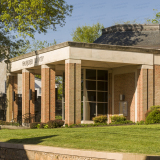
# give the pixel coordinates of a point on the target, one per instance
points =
(87, 34)
(29, 16)
(26, 17)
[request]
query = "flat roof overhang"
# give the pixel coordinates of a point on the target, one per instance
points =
(90, 54)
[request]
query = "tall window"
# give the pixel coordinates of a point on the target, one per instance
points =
(95, 93)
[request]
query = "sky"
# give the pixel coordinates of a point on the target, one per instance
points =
(106, 12)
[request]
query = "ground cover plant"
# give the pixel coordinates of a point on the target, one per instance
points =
(120, 120)
(143, 139)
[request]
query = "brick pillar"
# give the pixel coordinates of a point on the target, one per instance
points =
(141, 94)
(110, 98)
(32, 101)
(48, 94)
(12, 106)
(15, 103)
(28, 106)
(72, 92)
(156, 85)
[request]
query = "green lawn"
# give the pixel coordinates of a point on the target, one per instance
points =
(135, 138)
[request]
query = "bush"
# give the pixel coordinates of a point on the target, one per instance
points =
(46, 126)
(153, 117)
(100, 119)
(55, 123)
(34, 125)
(58, 117)
(155, 107)
(118, 119)
(140, 123)
(2, 122)
(38, 126)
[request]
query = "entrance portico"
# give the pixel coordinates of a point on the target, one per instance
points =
(95, 77)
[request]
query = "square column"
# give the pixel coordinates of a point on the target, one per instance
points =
(48, 94)
(28, 106)
(72, 92)
(12, 106)
(144, 91)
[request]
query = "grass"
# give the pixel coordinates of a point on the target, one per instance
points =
(143, 139)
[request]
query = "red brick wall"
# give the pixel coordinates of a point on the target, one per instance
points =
(125, 84)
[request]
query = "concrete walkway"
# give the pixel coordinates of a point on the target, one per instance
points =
(34, 152)
(12, 127)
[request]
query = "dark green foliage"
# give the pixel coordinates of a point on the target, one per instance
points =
(34, 125)
(55, 123)
(153, 117)
(100, 119)
(122, 122)
(155, 107)
(118, 119)
(42, 125)
(140, 123)
(58, 117)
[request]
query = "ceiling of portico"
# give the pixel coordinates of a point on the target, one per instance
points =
(60, 66)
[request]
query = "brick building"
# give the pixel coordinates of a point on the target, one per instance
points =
(117, 74)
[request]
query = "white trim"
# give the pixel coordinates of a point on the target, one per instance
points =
(145, 67)
(73, 61)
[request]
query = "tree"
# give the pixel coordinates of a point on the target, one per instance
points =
(156, 18)
(26, 17)
(34, 46)
(87, 34)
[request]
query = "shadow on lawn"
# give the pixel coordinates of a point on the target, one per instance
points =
(34, 140)
(152, 158)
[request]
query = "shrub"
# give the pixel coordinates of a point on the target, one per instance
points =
(33, 125)
(140, 123)
(155, 107)
(153, 117)
(42, 125)
(118, 119)
(38, 126)
(46, 126)
(58, 117)
(100, 119)
(55, 123)
(2, 122)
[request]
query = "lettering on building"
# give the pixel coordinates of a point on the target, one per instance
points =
(30, 61)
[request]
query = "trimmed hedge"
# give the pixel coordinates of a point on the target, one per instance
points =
(100, 119)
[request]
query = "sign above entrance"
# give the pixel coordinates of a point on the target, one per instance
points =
(30, 61)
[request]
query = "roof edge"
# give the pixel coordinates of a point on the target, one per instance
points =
(87, 45)
(131, 27)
